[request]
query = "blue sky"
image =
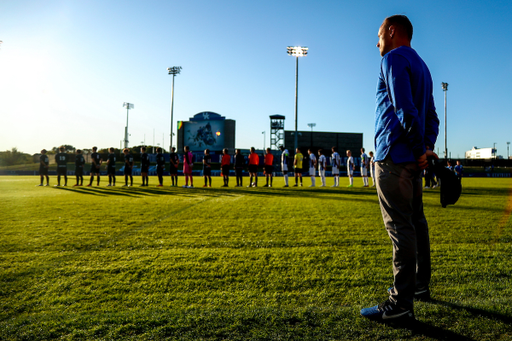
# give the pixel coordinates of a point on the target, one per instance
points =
(66, 67)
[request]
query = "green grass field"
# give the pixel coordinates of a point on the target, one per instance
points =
(241, 263)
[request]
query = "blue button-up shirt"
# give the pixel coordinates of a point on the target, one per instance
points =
(406, 121)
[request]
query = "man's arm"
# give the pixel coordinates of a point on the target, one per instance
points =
(398, 81)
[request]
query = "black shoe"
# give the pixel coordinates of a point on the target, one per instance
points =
(388, 312)
(420, 294)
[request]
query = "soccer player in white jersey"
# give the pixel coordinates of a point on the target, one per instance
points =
(312, 166)
(284, 164)
(372, 169)
(336, 163)
(364, 167)
(322, 160)
(350, 168)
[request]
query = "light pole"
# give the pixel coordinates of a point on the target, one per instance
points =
(264, 139)
(494, 149)
(175, 70)
(297, 51)
(508, 144)
(128, 106)
(311, 125)
(445, 89)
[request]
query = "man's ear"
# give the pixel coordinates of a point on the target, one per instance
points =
(391, 31)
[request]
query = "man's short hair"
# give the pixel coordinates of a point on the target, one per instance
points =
(143, 149)
(61, 148)
(402, 22)
(362, 149)
(335, 148)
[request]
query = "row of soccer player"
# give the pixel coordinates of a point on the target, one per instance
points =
(239, 165)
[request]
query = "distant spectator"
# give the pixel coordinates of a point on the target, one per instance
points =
(459, 170)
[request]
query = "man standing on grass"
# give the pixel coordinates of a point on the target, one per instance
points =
(269, 166)
(336, 163)
(364, 167)
(405, 133)
(254, 161)
(312, 167)
(144, 166)
(173, 167)
(284, 164)
(79, 168)
(62, 166)
(322, 164)
(128, 167)
(44, 162)
(350, 168)
(111, 167)
(297, 163)
(95, 166)
(160, 167)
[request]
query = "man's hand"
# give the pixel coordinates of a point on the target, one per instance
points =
(422, 160)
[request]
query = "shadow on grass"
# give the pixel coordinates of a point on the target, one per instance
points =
(476, 312)
(342, 194)
(436, 333)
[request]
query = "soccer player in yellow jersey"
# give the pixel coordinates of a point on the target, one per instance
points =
(297, 164)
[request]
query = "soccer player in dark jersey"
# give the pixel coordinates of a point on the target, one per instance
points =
(144, 166)
(173, 170)
(128, 166)
(44, 163)
(269, 167)
(160, 166)
(207, 168)
(239, 168)
(95, 166)
(62, 166)
(111, 167)
(79, 168)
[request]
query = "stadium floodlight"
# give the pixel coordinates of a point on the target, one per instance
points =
(311, 125)
(175, 70)
(445, 89)
(508, 156)
(128, 106)
(297, 51)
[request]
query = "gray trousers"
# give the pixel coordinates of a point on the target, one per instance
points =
(399, 187)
